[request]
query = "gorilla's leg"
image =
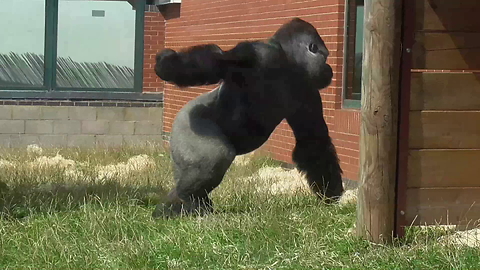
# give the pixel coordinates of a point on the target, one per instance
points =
(315, 154)
(201, 158)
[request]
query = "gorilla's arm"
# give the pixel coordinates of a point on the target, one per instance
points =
(203, 64)
(314, 151)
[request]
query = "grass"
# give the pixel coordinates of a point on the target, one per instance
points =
(51, 221)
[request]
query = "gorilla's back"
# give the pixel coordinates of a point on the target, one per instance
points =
(247, 124)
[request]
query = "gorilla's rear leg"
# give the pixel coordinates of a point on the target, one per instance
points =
(201, 156)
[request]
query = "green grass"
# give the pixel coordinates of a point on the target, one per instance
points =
(52, 222)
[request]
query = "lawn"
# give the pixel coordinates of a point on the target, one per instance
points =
(90, 209)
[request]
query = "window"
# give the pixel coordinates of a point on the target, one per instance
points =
(354, 53)
(72, 45)
(22, 46)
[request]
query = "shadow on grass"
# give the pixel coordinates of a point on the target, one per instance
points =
(24, 200)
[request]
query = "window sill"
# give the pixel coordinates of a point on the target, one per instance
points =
(351, 104)
(80, 95)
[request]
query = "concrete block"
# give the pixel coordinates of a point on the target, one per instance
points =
(54, 113)
(26, 112)
(142, 140)
(82, 113)
(95, 127)
(5, 140)
(143, 114)
(136, 114)
(155, 113)
(5, 112)
(53, 140)
(12, 126)
(121, 127)
(111, 113)
(38, 126)
(148, 128)
(134, 140)
(67, 127)
(81, 140)
(154, 139)
(22, 140)
(109, 140)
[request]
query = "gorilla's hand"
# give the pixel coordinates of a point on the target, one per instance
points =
(167, 62)
(198, 65)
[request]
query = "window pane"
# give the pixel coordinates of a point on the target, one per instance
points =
(354, 50)
(22, 32)
(96, 42)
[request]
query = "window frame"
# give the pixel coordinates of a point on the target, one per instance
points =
(49, 88)
(346, 102)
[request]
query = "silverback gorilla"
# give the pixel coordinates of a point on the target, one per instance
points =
(262, 84)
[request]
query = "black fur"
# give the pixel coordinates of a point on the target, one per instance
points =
(262, 83)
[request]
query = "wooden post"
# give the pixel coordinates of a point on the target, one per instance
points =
(379, 120)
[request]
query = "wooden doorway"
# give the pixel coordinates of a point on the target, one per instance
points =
(439, 148)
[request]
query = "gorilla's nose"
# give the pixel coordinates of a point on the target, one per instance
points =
(324, 51)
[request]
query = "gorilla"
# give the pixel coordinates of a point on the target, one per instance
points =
(262, 83)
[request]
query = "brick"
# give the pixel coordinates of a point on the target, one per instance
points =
(53, 140)
(109, 140)
(121, 127)
(38, 126)
(5, 112)
(82, 113)
(67, 127)
(81, 140)
(111, 113)
(95, 127)
(12, 126)
(148, 128)
(54, 113)
(26, 112)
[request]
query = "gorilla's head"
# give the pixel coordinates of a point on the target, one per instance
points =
(306, 50)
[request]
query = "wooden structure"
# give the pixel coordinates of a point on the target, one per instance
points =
(378, 129)
(437, 174)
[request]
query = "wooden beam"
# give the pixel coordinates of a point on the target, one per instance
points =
(378, 140)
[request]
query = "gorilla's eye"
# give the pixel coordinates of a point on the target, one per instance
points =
(313, 48)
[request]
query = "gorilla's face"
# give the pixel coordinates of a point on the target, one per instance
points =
(305, 48)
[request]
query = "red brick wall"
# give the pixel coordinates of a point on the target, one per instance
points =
(226, 22)
(154, 42)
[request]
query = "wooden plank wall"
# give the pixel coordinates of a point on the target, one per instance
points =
(444, 142)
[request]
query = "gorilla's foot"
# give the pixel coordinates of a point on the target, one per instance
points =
(175, 209)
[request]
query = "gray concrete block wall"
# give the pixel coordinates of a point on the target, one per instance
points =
(79, 126)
